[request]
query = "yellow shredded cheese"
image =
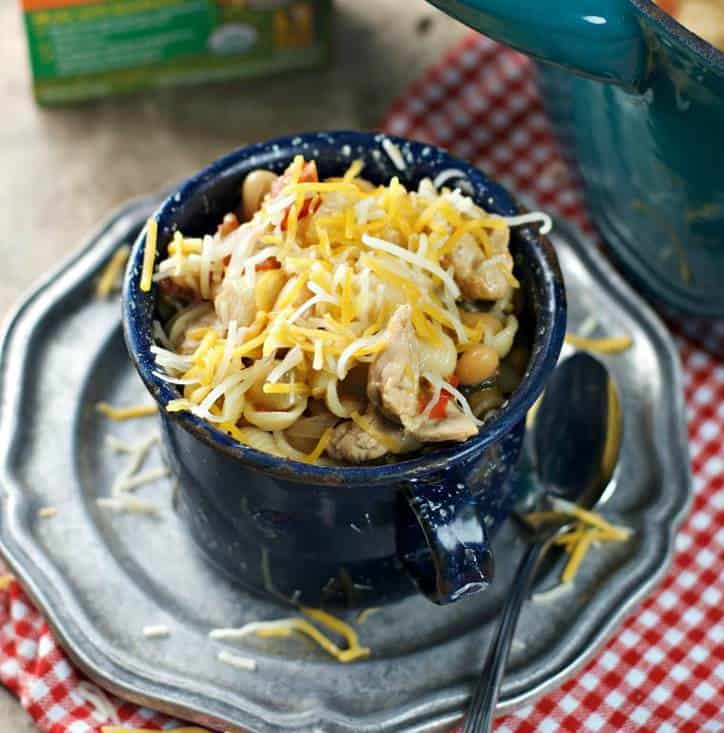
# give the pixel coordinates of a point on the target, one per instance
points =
(321, 445)
(285, 627)
(586, 528)
(125, 413)
(611, 345)
(6, 580)
(111, 272)
(149, 254)
(382, 439)
(364, 615)
(577, 554)
(286, 388)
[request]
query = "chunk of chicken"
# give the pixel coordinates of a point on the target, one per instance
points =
(235, 302)
(394, 376)
(480, 277)
(351, 444)
(394, 386)
(456, 425)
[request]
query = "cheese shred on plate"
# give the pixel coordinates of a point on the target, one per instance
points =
(287, 626)
(609, 345)
(111, 275)
(125, 413)
(587, 529)
(287, 327)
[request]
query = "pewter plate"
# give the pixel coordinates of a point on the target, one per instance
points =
(99, 577)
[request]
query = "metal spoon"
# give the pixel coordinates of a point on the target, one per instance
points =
(576, 436)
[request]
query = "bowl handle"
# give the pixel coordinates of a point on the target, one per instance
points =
(442, 539)
(601, 39)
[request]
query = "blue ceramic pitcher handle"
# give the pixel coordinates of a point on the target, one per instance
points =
(596, 38)
(452, 558)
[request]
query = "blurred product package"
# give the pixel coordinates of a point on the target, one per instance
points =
(80, 49)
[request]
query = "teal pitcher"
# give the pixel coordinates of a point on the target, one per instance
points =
(643, 117)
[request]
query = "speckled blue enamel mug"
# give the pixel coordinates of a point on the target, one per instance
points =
(347, 536)
(643, 118)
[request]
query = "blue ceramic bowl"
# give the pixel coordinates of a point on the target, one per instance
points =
(353, 536)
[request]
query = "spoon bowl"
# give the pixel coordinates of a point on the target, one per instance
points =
(577, 431)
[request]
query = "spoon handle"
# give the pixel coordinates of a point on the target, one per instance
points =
(482, 706)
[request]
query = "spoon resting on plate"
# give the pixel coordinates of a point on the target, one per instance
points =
(576, 437)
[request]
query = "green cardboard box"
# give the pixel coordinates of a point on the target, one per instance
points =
(80, 49)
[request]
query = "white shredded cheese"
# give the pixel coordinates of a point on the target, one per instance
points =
(128, 504)
(361, 343)
(293, 359)
(139, 479)
(318, 362)
(138, 456)
(394, 154)
(436, 382)
(234, 660)
(448, 174)
(534, 217)
(174, 380)
(159, 631)
(170, 360)
(461, 401)
(247, 629)
(414, 259)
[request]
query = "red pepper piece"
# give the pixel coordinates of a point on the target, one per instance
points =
(308, 175)
(440, 407)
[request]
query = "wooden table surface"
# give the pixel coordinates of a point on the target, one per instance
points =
(63, 169)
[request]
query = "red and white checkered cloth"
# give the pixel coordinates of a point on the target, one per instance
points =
(664, 670)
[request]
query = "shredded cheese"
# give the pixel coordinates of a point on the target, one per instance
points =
(138, 456)
(364, 615)
(448, 174)
(139, 479)
(534, 217)
(6, 580)
(587, 528)
(233, 660)
(321, 446)
(128, 504)
(610, 345)
(125, 413)
(286, 626)
(394, 154)
(149, 255)
(159, 631)
(108, 281)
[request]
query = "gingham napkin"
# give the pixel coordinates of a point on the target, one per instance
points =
(664, 670)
